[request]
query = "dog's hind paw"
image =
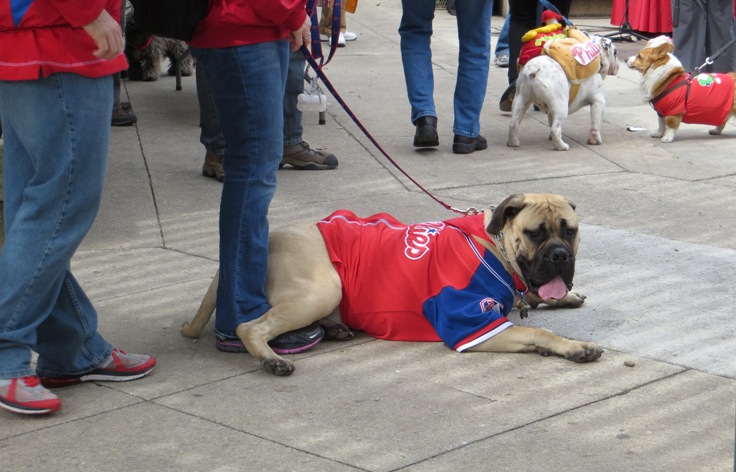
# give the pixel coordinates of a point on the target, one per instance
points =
(280, 367)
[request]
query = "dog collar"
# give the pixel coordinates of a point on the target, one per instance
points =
(144, 45)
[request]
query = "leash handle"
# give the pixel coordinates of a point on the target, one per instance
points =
(318, 69)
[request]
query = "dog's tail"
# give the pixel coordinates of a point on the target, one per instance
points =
(206, 308)
(532, 69)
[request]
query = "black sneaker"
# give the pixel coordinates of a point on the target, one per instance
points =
(465, 145)
(291, 342)
(426, 132)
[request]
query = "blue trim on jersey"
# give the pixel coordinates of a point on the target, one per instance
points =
(459, 313)
(19, 8)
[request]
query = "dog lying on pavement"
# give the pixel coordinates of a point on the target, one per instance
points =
(453, 281)
(706, 99)
(545, 83)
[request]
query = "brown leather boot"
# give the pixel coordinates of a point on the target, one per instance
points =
(213, 167)
(302, 157)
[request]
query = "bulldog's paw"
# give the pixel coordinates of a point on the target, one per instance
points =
(657, 134)
(581, 351)
(280, 367)
(715, 131)
(513, 142)
(595, 138)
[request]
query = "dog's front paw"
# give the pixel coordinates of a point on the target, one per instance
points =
(583, 352)
(667, 138)
(280, 367)
(562, 146)
(715, 131)
(513, 142)
(657, 134)
(573, 299)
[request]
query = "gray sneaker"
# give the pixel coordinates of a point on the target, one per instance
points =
(302, 157)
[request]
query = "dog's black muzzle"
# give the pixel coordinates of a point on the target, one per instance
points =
(549, 262)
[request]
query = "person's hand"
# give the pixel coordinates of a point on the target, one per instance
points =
(301, 36)
(108, 36)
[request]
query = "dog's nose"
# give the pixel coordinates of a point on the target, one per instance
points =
(559, 255)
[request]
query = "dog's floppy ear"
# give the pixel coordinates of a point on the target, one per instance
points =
(504, 212)
(571, 203)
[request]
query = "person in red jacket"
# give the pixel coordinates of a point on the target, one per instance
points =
(244, 46)
(56, 61)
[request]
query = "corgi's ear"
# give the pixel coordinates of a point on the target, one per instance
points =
(663, 49)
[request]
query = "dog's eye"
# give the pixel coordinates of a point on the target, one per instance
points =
(571, 232)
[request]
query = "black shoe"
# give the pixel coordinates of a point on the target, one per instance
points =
(426, 135)
(291, 342)
(465, 145)
(507, 99)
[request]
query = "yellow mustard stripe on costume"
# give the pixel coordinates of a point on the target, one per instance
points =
(531, 34)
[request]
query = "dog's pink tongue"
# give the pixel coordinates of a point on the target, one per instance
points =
(555, 288)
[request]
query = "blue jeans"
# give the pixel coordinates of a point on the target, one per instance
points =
(211, 134)
(474, 34)
(294, 86)
(56, 132)
(502, 45)
(247, 84)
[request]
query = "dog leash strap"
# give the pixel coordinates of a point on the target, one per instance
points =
(313, 63)
(710, 59)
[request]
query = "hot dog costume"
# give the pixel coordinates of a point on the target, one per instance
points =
(423, 282)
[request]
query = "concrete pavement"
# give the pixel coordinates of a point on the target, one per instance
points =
(656, 261)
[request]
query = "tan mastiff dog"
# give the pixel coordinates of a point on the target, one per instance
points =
(533, 237)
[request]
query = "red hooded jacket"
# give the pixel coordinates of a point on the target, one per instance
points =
(240, 22)
(43, 37)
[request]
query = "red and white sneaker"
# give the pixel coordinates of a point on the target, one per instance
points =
(26, 395)
(121, 367)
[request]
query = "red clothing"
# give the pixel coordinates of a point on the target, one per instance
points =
(41, 37)
(240, 22)
(422, 282)
(709, 99)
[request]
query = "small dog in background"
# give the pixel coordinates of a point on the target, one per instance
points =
(678, 97)
(546, 83)
(146, 53)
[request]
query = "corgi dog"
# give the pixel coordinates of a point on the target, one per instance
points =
(679, 97)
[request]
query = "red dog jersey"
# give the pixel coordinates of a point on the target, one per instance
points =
(706, 100)
(423, 282)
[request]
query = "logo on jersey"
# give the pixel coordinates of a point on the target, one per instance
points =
(418, 238)
(489, 304)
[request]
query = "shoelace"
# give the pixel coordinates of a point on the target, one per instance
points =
(30, 381)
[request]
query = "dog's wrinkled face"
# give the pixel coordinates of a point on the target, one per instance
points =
(540, 238)
(609, 56)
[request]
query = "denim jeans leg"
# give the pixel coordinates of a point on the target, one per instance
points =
(294, 86)
(52, 190)
(247, 84)
(416, 55)
(502, 45)
(474, 35)
(210, 131)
